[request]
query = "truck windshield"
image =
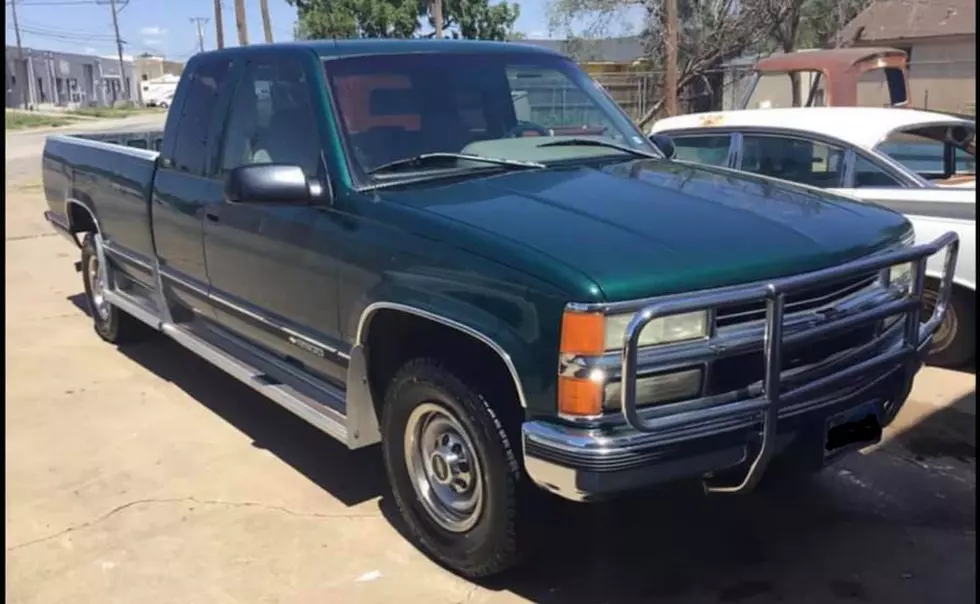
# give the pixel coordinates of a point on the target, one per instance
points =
(499, 105)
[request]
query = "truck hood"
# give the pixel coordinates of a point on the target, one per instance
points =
(647, 228)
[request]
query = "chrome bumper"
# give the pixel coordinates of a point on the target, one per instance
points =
(707, 435)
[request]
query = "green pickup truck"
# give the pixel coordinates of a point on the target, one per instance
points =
(466, 252)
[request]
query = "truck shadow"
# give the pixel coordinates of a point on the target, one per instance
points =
(816, 541)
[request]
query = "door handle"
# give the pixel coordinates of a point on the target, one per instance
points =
(212, 216)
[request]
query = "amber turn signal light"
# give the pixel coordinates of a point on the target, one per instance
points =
(583, 333)
(579, 396)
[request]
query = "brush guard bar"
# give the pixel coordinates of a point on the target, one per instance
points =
(916, 336)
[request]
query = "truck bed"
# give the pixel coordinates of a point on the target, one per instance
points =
(115, 168)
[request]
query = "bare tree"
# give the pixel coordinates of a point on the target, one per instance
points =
(709, 32)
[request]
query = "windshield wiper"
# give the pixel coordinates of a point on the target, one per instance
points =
(592, 142)
(419, 161)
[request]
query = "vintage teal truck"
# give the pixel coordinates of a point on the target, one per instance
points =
(466, 252)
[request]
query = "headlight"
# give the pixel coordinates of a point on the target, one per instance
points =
(662, 388)
(673, 328)
(900, 276)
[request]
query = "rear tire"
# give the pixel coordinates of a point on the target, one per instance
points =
(112, 325)
(954, 344)
(453, 471)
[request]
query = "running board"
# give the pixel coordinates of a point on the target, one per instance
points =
(259, 374)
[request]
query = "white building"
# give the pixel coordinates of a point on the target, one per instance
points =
(52, 78)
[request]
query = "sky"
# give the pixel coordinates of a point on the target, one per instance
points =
(164, 27)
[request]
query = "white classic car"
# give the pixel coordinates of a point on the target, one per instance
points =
(920, 163)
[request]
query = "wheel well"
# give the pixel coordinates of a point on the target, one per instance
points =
(395, 337)
(958, 288)
(80, 220)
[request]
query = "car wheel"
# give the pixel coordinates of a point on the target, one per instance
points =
(112, 324)
(954, 344)
(162, 105)
(453, 471)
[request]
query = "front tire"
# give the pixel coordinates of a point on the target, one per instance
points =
(112, 325)
(453, 471)
(954, 344)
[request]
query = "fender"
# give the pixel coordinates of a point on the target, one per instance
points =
(361, 415)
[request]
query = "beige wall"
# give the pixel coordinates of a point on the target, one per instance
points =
(155, 67)
(942, 76)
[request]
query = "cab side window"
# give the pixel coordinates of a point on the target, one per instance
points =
(870, 175)
(271, 119)
(794, 159)
(204, 87)
(704, 149)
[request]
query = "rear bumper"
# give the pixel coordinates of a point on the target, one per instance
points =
(590, 464)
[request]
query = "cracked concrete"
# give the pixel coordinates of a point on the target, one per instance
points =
(178, 500)
(142, 474)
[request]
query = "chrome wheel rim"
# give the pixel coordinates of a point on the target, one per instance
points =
(443, 467)
(947, 327)
(97, 279)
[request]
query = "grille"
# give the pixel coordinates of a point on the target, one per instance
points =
(808, 299)
(738, 372)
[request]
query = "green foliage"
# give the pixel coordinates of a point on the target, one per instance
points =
(470, 19)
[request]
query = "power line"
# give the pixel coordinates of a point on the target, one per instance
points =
(200, 21)
(119, 47)
(37, 29)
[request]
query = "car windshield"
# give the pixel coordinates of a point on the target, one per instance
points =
(936, 153)
(495, 105)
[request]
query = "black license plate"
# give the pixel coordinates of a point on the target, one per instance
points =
(851, 429)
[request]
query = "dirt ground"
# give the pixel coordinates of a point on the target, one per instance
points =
(142, 474)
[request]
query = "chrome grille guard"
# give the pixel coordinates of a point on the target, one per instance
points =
(915, 336)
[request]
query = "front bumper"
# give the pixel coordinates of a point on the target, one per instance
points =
(788, 408)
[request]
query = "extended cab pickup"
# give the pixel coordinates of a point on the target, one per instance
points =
(467, 252)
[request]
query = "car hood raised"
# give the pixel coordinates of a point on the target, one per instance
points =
(646, 228)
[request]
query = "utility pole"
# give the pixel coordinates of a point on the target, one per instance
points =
(119, 45)
(240, 23)
(266, 21)
(25, 84)
(670, 79)
(200, 21)
(437, 17)
(219, 26)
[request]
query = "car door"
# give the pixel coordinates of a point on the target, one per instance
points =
(793, 157)
(711, 148)
(181, 185)
(270, 265)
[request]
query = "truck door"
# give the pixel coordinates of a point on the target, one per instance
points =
(271, 268)
(181, 188)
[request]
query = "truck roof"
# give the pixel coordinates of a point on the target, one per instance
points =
(825, 59)
(368, 46)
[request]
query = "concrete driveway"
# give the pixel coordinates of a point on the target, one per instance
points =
(142, 474)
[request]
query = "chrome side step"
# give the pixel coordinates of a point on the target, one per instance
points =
(318, 404)
(139, 308)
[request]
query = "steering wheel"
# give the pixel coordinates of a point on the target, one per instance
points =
(522, 127)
